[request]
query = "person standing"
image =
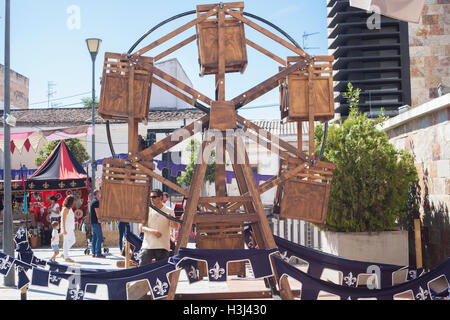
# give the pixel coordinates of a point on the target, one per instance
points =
(97, 234)
(167, 202)
(156, 242)
(68, 226)
(55, 240)
(122, 227)
(54, 210)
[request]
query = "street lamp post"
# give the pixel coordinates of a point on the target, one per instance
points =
(8, 233)
(93, 45)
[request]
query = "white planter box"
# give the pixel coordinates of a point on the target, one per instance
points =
(389, 247)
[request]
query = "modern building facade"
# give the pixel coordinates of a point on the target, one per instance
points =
(372, 52)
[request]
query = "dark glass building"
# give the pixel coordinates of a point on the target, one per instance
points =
(371, 52)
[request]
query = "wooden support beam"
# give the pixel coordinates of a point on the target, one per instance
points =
(175, 47)
(173, 91)
(225, 218)
(268, 145)
(311, 111)
(418, 243)
(182, 86)
(177, 31)
(189, 212)
(266, 294)
(267, 33)
(127, 254)
(266, 85)
(269, 184)
(218, 199)
(266, 52)
(193, 198)
(158, 177)
(285, 289)
(226, 5)
(172, 140)
(221, 180)
(274, 181)
(221, 187)
(271, 137)
(268, 240)
(221, 55)
(300, 136)
(23, 293)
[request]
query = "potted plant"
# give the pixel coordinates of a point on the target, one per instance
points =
(369, 191)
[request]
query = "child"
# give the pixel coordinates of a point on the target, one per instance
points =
(55, 240)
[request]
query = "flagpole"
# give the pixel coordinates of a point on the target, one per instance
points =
(8, 245)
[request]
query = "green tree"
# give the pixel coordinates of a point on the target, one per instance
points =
(76, 147)
(186, 178)
(371, 181)
(87, 102)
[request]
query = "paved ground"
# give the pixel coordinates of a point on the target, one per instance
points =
(86, 261)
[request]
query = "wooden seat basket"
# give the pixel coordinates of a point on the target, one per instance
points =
(305, 197)
(125, 192)
(223, 236)
(235, 50)
(295, 95)
(117, 84)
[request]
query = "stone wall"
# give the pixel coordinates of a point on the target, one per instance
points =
(429, 42)
(18, 89)
(425, 132)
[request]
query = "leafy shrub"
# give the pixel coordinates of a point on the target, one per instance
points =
(371, 181)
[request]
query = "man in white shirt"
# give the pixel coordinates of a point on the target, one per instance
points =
(167, 202)
(156, 242)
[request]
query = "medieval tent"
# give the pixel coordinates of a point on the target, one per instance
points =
(60, 175)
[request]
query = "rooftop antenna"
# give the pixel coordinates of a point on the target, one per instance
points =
(305, 37)
(50, 91)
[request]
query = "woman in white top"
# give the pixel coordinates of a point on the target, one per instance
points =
(54, 210)
(68, 226)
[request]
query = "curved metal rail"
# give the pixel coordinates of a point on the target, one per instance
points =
(198, 105)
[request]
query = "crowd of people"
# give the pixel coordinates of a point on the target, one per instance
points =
(156, 231)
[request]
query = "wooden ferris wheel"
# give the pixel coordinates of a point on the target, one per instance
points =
(306, 95)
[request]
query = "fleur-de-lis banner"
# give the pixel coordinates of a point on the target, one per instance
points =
(135, 244)
(217, 261)
(350, 269)
(419, 288)
(6, 262)
(82, 281)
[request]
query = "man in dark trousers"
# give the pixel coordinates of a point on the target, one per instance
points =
(156, 242)
(97, 234)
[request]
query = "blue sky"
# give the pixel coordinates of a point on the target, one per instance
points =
(45, 48)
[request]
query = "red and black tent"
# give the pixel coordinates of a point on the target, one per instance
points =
(60, 175)
(60, 171)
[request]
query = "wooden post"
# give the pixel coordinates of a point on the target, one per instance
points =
(299, 135)
(127, 254)
(23, 293)
(418, 238)
(311, 110)
(189, 213)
